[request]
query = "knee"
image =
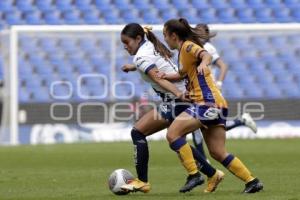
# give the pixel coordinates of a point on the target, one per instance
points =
(217, 154)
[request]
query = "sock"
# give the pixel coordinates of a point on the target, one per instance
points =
(233, 124)
(198, 142)
(235, 166)
(141, 154)
(185, 154)
(205, 167)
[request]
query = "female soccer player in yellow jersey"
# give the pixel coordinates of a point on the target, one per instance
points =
(150, 56)
(208, 110)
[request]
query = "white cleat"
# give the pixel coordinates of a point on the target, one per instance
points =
(249, 122)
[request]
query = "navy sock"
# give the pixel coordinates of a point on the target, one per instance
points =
(205, 167)
(198, 142)
(227, 160)
(141, 154)
(233, 124)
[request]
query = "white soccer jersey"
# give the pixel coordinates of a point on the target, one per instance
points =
(214, 54)
(212, 51)
(147, 58)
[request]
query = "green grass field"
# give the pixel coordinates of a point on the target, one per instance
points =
(80, 171)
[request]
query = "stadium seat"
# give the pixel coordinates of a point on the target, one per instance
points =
(13, 18)
(245, 15)
(219, 4)
(72, 17)
(83, 5)
(6, 6)
(161, 4)
(181, 5)
(64, 5)
(24, 5)
(45, 5)
(33, 17)
(52, 17)
(237, 4)
(141, 5)
(200, 4)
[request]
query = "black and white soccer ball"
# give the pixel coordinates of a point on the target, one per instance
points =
(118, 178)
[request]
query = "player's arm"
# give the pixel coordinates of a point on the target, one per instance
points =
(152, 73)
(223, 70)
(205, 58)
(170, 77)
(128, 67)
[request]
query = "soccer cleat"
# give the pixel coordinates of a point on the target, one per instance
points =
(191, 182)
(253, 186)
(214, 181)
(136, 185)
(249, 122)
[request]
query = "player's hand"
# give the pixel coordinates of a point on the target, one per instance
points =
(184, 97)
(219, 85)
(128, 67)
(202, 68)
(160, 75)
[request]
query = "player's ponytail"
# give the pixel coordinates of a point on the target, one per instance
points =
(158, 45)
(204, 29)
(184, 31)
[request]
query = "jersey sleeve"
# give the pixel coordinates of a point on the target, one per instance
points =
(212, 51)
(144, 64)
(192, 49)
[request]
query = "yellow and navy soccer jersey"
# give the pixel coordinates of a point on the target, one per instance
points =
(202, 88)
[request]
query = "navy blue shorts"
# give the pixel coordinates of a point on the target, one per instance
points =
(208, 115)
(171, 109)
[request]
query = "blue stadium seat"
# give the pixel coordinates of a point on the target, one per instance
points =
(48, 44)
(245, 15)
(200, 4)
(91, 17)
(130, 16)
(282, 14)
(52, 17)
(191, 15)
(123, 5)
(64, 5)
(151, 17)
(168, 14)
(181, 5)
(25, 5)
(104, 5)
(219, 4)
(13, 18)
(141, 5)
(72, 17)
(238, 4)
(161, 4)
(6, 6)
(83, 5)
(33, 17)
(208, 15)
(264, 15)
(45, 5)
(257, 4)
(24, 95)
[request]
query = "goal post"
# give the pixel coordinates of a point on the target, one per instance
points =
(110, 35)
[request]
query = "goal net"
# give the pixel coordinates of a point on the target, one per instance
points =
(65, 84)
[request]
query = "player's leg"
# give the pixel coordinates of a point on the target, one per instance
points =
(198, 142)
(245, 120)
(215, 139)
(150, 123)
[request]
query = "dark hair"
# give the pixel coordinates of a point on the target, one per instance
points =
(203, 28)
(184, 31)
(133, 30)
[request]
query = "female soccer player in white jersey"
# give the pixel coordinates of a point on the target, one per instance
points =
(151, 56)
(217, 61)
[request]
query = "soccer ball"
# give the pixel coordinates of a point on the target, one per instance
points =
(118, 178)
